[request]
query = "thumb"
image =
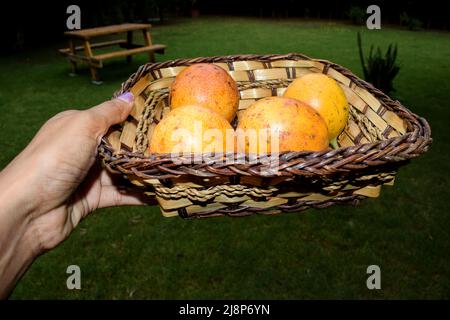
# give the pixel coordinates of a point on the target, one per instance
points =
(114, 111)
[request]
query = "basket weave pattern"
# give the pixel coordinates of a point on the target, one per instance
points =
(381, 135)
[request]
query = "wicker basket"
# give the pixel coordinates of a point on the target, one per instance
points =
(381, 135)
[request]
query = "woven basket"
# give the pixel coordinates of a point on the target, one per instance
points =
(381, 135)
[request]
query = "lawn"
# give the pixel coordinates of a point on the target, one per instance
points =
(136, 253)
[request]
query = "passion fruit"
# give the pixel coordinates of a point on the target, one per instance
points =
(206, 85)
(292, 124)
(192, 129)
(326, 97)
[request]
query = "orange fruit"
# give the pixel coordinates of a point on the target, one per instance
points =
(192, 129)
(206, 85)
(298, 127)
(325, 96)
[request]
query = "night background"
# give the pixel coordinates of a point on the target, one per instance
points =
(135, 253)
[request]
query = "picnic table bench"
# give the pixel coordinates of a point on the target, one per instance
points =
(95, 62)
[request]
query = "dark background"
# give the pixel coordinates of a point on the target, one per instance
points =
(23, 21)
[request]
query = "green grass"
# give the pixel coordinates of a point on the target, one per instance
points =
(136, 253)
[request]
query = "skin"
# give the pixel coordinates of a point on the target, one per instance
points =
(299, 126)
(192, 129)
(206, 85)
(326, 96)
(53, 184)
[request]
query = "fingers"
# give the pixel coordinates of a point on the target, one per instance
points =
(113, 111)
(112, 196)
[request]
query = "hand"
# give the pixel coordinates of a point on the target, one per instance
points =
(55, 182)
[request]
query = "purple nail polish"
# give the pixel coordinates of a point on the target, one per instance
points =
(127, 97)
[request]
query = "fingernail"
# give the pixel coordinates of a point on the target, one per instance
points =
(127, 97)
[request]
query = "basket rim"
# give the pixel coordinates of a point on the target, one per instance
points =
(398, 149)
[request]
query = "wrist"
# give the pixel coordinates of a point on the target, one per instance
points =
(19, 205)
(15, 189)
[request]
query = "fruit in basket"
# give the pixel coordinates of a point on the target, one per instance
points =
(326, 96)
(292, 124)
(206, 85)
(192, 129)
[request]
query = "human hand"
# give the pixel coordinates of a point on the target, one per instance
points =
(55, 181)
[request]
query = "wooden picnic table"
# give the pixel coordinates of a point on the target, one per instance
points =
(95, 61)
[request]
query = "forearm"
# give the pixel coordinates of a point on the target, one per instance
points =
(16, 256)
(18, 247)
(43, 191)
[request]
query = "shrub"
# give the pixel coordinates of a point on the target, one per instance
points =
(411, 23)
(356, 15)
(380, 70)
